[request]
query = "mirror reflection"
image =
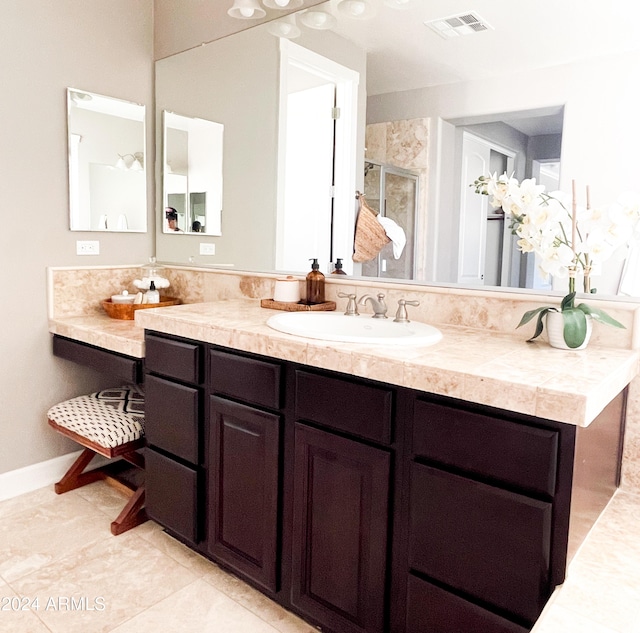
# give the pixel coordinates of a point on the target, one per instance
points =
(192, 175)
(107, 173)
(438, 108)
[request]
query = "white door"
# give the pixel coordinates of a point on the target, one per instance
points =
(473, 212)
(306, 215)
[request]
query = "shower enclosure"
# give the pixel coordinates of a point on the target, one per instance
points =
(393, 192)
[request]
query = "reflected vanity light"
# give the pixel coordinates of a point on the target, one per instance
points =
(284, 27)
(246, 10)
(134, 164)
(282, 4)
(356, 9)
(319, 20)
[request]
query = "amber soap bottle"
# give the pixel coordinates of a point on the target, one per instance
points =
(315, 284)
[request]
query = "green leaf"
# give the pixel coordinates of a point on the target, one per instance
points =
(575, 327)
(539, 323)
(599, 315)
(527, 316)
(567, 302)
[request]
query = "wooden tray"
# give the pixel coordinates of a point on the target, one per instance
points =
(127, 311)
(301, 306)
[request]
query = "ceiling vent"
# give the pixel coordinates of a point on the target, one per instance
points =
(457, 25)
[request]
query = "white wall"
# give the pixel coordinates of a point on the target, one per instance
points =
(103, 46)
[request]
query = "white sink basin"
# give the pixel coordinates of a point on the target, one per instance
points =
(335, 326)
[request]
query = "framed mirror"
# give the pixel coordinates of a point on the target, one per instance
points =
(421, 93)
(192, 175)
(107, 172)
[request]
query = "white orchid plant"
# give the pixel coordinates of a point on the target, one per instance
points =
(569, 241)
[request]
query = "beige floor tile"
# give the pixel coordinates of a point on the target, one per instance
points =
(563, 620)
(26, 501)
(39, 535)
(18, 613)
(156, 536)
(270, 611)
(198, 607)
(114, 579)
(104, 497)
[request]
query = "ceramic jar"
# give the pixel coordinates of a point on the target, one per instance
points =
(555, 331)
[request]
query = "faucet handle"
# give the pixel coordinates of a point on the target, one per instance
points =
(401, 314)
(352, 306)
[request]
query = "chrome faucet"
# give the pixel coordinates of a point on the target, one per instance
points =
(378, 305)
(401, 314)
(352, 306)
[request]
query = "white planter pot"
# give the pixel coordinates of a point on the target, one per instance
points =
(555, 331)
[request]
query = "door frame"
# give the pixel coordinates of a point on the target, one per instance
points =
(346, 82)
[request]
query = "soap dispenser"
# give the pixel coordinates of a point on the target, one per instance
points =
(338, 269)
(315, 284)
(152, 295)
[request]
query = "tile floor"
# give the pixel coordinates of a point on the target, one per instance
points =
(54, 547)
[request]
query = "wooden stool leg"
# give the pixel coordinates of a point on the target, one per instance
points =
(132, 514)
(74, 477)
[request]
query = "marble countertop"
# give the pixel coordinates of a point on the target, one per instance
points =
(497, 370)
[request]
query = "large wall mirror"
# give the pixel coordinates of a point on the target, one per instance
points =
(430, 87)
(107, 174)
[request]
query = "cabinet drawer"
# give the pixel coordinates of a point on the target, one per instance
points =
(481, 540)
(360, 409)
(175, 359)
(497, 449)
(172, 417)
(434, 610)
(247, 379)
(171, 494)
(105, 361)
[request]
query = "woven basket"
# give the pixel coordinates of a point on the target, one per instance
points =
(370, 235)
(127, 311)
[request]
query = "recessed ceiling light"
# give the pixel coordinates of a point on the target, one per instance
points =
(460, 24)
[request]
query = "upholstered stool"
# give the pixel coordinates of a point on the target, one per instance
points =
(108, 423)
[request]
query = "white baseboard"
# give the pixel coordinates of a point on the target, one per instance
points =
(22, 480)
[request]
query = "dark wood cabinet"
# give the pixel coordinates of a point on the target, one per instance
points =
(365, 507)
(431, 609)
(491, 544)
(174, 417)
(340, 522)
(244, 489)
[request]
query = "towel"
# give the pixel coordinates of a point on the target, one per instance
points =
(395, 233)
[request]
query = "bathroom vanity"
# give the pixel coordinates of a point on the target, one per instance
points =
(354, 502)
(361, 489)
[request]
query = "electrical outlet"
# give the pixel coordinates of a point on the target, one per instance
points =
(87, 247)
(207, 248)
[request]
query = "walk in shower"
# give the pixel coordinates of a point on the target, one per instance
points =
(393, 192)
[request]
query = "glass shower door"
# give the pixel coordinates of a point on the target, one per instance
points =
(393, 192)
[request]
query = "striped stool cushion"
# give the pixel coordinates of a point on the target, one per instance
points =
(109, 418)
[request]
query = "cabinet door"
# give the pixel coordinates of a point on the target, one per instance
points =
(480, 540)
(341, 490)
(171, 495)
(243, 489)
